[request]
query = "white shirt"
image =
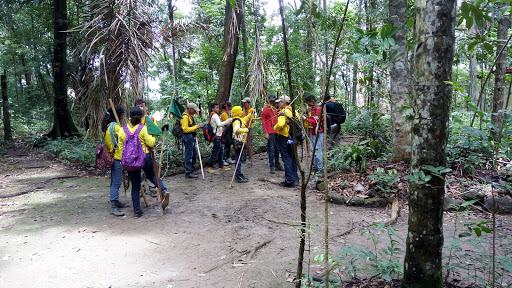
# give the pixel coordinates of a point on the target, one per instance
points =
(217, 125)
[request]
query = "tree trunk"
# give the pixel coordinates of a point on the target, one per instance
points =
(231, 38)
(435, 40)
(63, 125)
(354, 83)
(245, 79)
(5, 109)
(170, 9)
(499, 79)
(400, 83)
(473, 70)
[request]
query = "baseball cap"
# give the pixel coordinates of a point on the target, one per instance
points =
(272, 97)
(284, 98)
(193, 106)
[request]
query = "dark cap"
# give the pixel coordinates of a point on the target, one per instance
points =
(272, 97)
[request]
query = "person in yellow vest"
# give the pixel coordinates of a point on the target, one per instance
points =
(147, 141)
(189, 127)
(248, 110)
(111, 130)
(284, 143)
(240, 132)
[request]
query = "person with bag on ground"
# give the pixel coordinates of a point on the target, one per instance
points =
(218, 149)
(269, 119)
(240, 132)
(189, 127)
(136, 155)
(111, 130)
(316, 131)
(285, 143)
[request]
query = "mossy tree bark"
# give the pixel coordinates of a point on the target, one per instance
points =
(5, 109)
(63, 125)
(435, 40)
(400, 83)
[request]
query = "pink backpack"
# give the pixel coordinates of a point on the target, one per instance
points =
(133, 155)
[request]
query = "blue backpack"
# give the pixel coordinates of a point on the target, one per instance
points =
(133, 155)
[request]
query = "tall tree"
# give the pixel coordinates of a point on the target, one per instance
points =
(63, 125)
(231, 39)
(499, 77)
(5, 109)
(399, 82)
(246, 56)
(435, 40)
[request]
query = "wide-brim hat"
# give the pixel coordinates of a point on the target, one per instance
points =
(193, 106)
(246, 99)
(284, 98)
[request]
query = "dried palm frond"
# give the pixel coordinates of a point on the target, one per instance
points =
(257, 67)
(181, 29)
(234, 29)
(116, 46)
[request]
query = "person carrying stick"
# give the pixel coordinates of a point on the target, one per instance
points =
(240, 132)
(189, 127)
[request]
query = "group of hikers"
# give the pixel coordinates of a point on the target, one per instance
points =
(131, 145)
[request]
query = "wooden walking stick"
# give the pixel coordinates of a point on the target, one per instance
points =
(164, 204)
(114, 110)
(239, 156)
(199, 154)
(143, 192)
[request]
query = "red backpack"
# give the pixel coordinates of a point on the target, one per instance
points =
(208, 133)
(103, 158)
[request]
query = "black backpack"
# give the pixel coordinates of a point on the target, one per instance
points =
(177, 131)
(338, 116)
(295, 122)
(208, 133)
(227, 134)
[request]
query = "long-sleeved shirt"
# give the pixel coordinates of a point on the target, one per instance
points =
(282, 125)
(108, 141)
(269, 119)
(247, 113)
(239, 129)
(315, 121)
(188, 124)
(217, 124)
(147, 140)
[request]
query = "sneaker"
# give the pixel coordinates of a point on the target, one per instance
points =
(241, 179)
(191, 175)
(272, 170)
(225, 168)
(224, 163)
(138, 213)
(211, 170)
(243, 176)
(230, 161)
(152, 192)
(279, 167)
(121, 204)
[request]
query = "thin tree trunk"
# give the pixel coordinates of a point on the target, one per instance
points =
(435, 40)
(246, 56)
(5, 109)
(231, 39)
(499, 79)
(170, 9)
(400, 83)
(473, 69)
(354, 83)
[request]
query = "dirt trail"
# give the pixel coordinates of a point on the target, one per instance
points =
(60, 233)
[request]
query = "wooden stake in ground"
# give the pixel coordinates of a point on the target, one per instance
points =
(199, 154)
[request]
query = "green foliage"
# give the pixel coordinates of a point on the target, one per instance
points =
(385, 180)
(383, 261)
(73, 150)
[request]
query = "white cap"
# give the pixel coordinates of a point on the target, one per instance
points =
(193, 106)
(284, 98)
(246, 99)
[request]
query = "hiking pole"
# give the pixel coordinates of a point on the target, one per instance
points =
(199, 154)
(239, 156)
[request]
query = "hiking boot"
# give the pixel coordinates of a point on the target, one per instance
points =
(241, 179)
(165, 202)
(279, 167)
(121, 204)
(211, 170)
(243, 176)
(272, 170)
(225, 168)
(230, 161)
(191, 175)
(287, 185)
(138, 213)
(115, 210)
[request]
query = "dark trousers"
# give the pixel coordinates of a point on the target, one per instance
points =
(238, 159)
(227, 151)
(290, 166)
(149, 170)
(217, 153)
(190, 152)
(272, 150)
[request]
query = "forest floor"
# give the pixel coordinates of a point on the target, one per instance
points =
(57, 231)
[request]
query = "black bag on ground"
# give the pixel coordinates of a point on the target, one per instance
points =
(339, 116)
